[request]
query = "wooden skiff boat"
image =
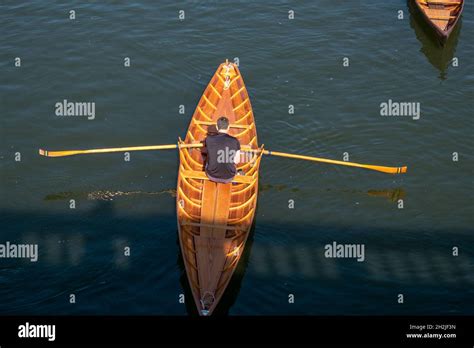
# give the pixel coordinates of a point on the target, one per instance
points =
(214, 219)
(441, 15)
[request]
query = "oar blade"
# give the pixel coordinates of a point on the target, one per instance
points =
(111, 150)
(388, 170)
(58, 153)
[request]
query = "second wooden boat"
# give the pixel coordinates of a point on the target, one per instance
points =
(214, 219)
(441, 15)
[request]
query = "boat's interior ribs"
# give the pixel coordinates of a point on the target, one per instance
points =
(214, 219)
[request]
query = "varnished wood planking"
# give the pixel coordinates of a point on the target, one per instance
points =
(441, 15)
(209, 206)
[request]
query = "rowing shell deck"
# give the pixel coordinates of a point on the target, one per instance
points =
(214, 219)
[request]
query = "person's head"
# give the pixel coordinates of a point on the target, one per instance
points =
(223, 124)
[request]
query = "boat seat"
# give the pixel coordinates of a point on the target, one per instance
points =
(437, 12)
(232, 125)
(439, 17)
(201, 175)
(443, 2)
(442, 18)
(215, 226)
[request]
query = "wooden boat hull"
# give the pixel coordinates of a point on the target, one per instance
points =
(441, 15)
(214, 219)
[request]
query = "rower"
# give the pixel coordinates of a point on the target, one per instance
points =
(222, 153)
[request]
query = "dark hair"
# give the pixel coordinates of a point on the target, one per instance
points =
(222, 123)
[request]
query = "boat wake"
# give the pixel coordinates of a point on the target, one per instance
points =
(105, 195)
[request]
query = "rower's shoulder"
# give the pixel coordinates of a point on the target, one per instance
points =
(236, 142)
(230, 136)
(233, 138)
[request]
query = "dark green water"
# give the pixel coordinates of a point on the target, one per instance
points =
(284, 62)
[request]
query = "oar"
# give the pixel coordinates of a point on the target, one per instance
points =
(113, 149)
(65, 153)
(390, 170)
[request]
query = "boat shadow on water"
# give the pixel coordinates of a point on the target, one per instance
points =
(440, 56)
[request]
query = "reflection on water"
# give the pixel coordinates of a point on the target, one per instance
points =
(440, 56)
(70, 249)
(409, 265)
(414, 266)
(270, 187)
(82, 251)
(392, 195)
